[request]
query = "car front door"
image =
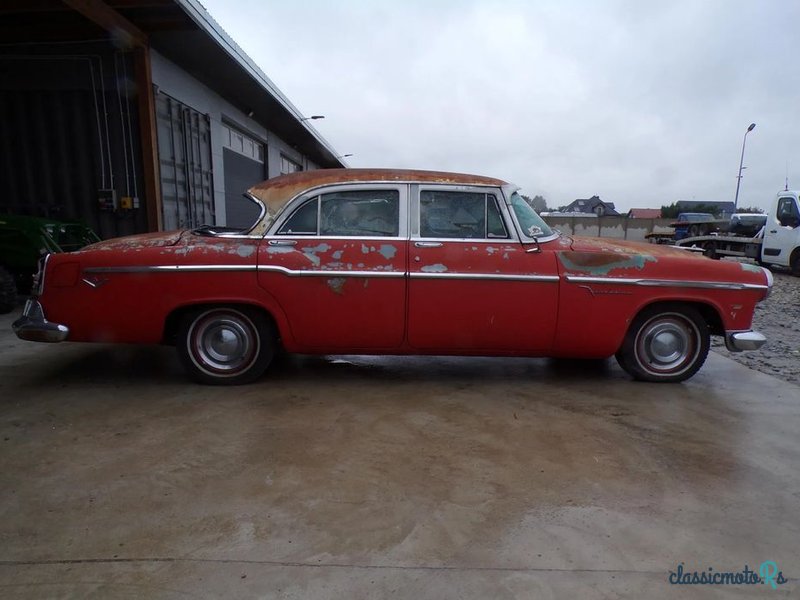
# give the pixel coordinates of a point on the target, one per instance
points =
(473, 286)
(336, 263)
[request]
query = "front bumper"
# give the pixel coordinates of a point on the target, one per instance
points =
(736, 341)
(33, 326)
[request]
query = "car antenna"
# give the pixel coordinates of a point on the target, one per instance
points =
(786, 189)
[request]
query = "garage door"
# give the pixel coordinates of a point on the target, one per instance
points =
(243, 158)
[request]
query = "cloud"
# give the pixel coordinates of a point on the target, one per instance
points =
(640, 103)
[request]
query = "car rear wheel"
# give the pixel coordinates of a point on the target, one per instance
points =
(667, 343)
(226, 345)
(8, 291)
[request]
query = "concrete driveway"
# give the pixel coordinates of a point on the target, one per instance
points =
(364, 477)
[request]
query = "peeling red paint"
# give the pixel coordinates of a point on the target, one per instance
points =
(134, 242)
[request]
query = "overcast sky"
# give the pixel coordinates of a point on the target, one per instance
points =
(640, 102)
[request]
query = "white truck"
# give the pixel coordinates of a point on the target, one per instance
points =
(778, 243)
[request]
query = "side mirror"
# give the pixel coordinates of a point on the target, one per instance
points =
(535, 249)
(534, 231)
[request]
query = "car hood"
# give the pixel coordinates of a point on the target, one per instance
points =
(135, 242)
(627, 248)
(607, 258)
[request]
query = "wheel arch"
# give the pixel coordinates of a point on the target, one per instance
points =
(174, 318)
(710, 313)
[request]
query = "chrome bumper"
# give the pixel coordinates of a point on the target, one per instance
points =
(33, 326)
(736, 341)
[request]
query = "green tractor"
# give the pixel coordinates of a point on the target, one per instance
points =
(23, 241)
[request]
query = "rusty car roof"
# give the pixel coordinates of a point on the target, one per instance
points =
(278, 191)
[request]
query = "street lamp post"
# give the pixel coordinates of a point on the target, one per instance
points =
(741, 162)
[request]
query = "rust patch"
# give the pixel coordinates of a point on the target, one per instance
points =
(137, 242)
(276, 192)
(435, 268)
(602, 263)
(336, 284)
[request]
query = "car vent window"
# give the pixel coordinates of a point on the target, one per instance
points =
(495, 228)
(360, 213)
(303, 220)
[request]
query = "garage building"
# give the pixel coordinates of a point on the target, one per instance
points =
(138, 115)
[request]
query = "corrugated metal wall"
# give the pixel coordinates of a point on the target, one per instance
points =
(70, 129)
(184, 152)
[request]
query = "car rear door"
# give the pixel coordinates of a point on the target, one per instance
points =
(337, 266)
(473, 286)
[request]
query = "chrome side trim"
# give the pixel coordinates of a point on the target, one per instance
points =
(330, 273)
(345, 238)
(486, 276)
(163, 268)
(323, 272)
(679, 283)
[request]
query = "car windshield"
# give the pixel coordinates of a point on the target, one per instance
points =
(531, 223)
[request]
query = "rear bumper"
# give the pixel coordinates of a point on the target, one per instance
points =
(736, 341)
(34, 327)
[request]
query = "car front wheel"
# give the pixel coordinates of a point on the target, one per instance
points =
(226, 345)
(665, 344)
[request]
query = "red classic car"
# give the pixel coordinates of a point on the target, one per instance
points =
(378, 261)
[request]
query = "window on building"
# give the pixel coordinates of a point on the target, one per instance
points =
(242, 143)
(289, 166)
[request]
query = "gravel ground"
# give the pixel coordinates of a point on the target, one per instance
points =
(778, 318)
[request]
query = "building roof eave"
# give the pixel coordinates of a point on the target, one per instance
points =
(313, 144)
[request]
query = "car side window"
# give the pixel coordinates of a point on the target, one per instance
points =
(362, 213)
(788, 215)
(303, 220)
(463, 215)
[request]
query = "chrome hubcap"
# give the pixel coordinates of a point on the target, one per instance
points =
(667, 344)
(223, 343)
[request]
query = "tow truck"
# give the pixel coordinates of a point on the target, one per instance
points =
(777, 243)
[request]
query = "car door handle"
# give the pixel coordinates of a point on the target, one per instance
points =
(282, 242)
(773, 231)
(428, 244)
